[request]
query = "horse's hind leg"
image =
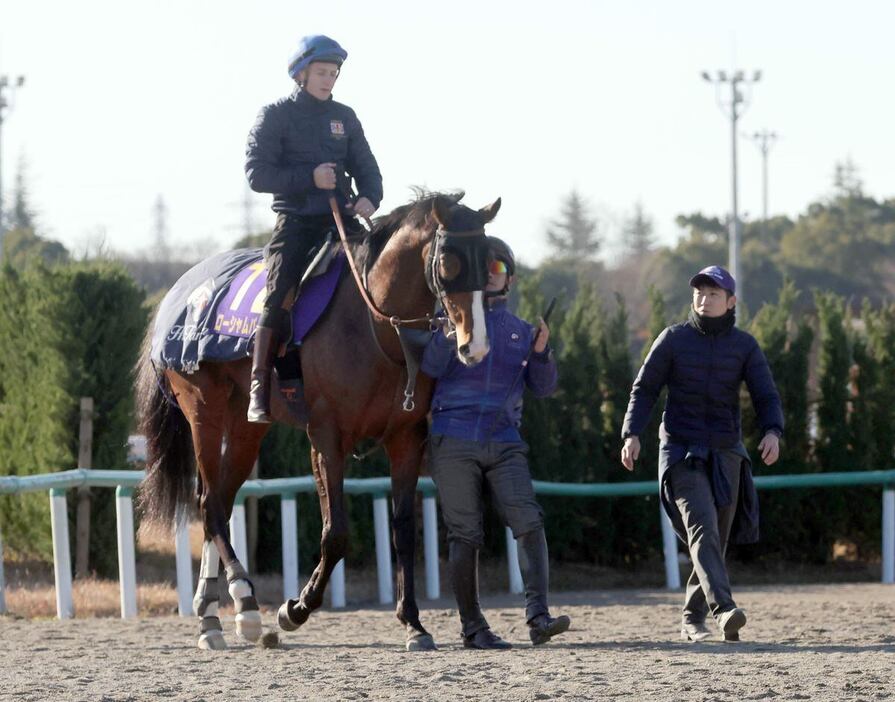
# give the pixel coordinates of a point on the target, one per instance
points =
(240, 452)
(207, 599)
(207, 400)
(203, 398)
(405, 452)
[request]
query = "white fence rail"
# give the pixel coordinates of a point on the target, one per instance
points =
(286, 488)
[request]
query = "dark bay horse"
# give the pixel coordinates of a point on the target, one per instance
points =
(354, 376)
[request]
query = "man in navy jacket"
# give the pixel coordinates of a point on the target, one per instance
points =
(303, 149)
(476, 413)
(705, 473)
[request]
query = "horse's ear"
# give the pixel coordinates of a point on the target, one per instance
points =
(441, 209)
(457, 195)
(489, 212)
(448, 266)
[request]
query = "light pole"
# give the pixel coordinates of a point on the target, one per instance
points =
(764, 140)
(733, 108)
(6, 84)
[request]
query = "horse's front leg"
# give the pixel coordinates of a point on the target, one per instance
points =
(405, 451)
(328, 463)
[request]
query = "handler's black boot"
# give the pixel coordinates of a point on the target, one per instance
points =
(262, 363)
(535, 567)
(463, 558)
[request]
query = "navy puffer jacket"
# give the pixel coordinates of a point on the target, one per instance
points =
(293, 136)
(703, 373)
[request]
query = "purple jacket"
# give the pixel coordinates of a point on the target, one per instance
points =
(484, 402)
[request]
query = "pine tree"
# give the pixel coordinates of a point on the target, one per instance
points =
(637, 232)
(649, 439)
(791, 526)
(831, 446)
(21, 216)
(575, 234)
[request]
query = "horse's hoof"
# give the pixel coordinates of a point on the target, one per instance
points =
(248, 625)
(212, 641)
(283, 619)
(421, 642)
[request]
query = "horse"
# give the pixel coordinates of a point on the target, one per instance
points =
(353, 367)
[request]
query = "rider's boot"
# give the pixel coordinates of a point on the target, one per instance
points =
(262, 363)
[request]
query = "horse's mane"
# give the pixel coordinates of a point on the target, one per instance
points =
(413, 214)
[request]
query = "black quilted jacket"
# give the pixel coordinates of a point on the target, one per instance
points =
(703, 373)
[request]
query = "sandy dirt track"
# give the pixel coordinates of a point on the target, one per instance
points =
(829, 642)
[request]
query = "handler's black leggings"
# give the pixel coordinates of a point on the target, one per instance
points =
(286, 257)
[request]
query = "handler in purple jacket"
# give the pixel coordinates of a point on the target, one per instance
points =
(476, 413)
(704, 471)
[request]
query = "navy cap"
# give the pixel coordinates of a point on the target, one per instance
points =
(717, 276)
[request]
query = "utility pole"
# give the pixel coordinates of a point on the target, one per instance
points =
(10, 85)
(764, 140)
(733, 108)
(162, 251)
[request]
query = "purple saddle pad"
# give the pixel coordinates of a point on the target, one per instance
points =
(239, 310)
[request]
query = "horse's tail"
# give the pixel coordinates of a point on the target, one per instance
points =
(167, 492)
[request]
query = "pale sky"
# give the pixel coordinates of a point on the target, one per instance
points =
(125, 101)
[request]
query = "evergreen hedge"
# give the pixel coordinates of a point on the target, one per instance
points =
(66, 332)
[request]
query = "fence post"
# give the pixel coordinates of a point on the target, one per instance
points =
(184, 562)
(430, 547)
(85, 461)
(238, 532)
(289, 521)
(669, 548)
(337, 586)
(2, 579)
(888, 534)
(383, 548)
(513, 564)
(127, 567)
(61, 557)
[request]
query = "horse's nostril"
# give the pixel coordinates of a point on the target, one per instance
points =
(464, 350)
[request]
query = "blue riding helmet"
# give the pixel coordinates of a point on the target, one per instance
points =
(316, 47)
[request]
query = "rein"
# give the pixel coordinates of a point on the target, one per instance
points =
(411, 360)
(393, 320)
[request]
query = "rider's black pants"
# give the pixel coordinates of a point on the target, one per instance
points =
(286, 256)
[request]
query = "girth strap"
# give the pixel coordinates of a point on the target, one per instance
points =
(413, 341)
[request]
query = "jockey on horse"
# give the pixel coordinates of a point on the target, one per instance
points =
(300, 149)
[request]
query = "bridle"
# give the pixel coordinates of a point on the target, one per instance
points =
(440, 288)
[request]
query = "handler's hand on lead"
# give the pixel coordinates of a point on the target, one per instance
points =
(325, 176)
(543, 336)
(630, 452)
(770, 448)
(363, 208)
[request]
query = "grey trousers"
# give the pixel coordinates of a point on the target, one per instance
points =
(708, 528)
(460, 468)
